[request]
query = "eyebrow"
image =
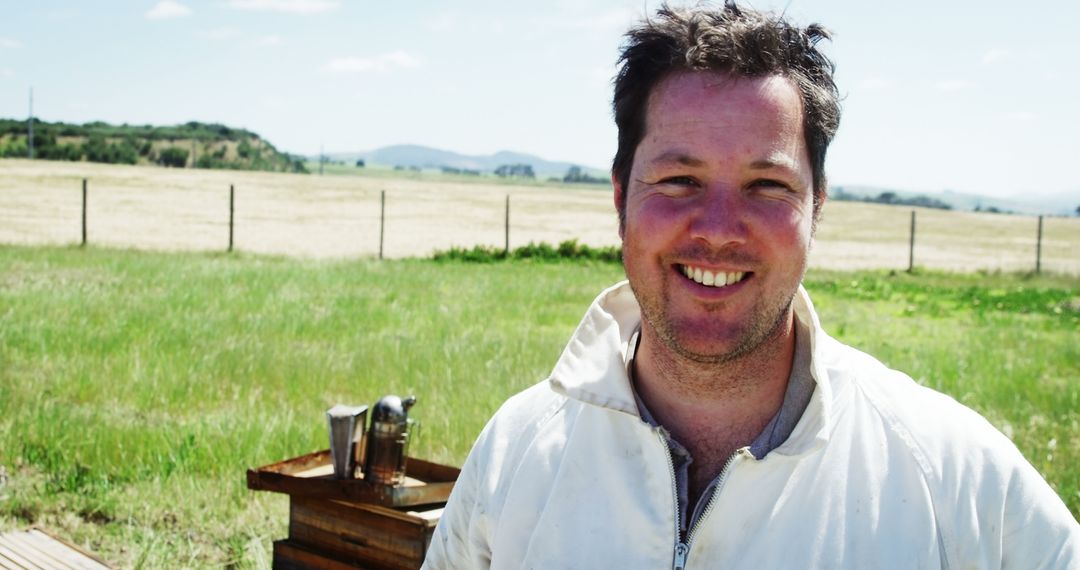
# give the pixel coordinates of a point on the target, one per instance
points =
(682, 158)
(766, 164)
(678, 157)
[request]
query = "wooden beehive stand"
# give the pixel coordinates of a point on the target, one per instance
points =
(350, 523)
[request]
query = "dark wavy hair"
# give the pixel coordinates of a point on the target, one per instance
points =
(731, 40)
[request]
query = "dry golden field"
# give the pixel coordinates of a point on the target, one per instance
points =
(338, 216)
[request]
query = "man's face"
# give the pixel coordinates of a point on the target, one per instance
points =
(720, 189)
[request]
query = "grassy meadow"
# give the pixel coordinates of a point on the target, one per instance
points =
(137, 387)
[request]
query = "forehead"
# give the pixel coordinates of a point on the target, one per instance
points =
(725, 101)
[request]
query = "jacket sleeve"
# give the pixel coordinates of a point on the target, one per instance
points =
(466, 534)
(994, 509)
(1001, 513)
(460, 539)
(1038, 530)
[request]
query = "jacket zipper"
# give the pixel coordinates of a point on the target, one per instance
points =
(682, 548)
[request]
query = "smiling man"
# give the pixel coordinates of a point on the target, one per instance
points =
(700, 417)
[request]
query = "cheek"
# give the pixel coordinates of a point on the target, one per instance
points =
(653, 216)
(787, 228)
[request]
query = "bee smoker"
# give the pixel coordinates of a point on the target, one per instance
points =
(346, 426)
(388, 441)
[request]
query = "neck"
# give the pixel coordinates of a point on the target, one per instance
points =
(736, 398)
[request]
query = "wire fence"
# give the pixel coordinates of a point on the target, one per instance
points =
(393, 218)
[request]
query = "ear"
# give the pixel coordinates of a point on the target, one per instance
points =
(620, 204)
(819, 203)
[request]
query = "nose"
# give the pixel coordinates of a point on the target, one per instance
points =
(720, 217)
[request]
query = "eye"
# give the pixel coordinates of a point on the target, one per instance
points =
(679, 181)
(767, 183)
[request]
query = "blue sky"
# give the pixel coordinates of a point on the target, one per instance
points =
(972, 96)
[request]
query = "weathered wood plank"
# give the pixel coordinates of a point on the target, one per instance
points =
(311, 476)
(62, 551)
(35, 549)
(291, 556)
(15, 555)
(365, 525)
(17, 542)
(347, 549)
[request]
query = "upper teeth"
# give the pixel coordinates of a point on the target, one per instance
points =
(717, 279)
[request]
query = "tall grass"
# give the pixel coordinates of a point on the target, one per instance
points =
(136, 388)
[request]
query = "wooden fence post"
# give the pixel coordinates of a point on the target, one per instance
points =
(506, 242)
(911, 245)
(83, 212)
(382, 221)
(232, 209)
(1038, 248)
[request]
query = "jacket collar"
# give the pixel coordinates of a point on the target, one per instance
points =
(592, 367)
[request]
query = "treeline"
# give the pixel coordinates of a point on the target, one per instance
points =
(515, 171)
(193, 144)
(891, 198)
(567, 250)
(574, 175)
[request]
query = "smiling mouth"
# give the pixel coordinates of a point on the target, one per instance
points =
(712, 278)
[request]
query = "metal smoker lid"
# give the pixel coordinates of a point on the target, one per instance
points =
(392, 409)
(343, 411)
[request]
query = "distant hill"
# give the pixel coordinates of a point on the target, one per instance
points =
(190, 145)
(417, 156)
(1060, 205)
(1055, 205)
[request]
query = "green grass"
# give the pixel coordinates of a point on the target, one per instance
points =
(137, 388)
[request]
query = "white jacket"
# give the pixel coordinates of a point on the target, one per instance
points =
(879, 473)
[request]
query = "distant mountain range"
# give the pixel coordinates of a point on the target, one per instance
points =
(411, 155)
(1059, 205)
(417, 156)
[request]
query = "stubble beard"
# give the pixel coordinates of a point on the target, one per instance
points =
(767, 323)
(767, 318)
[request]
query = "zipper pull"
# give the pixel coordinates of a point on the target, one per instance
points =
(681, 551)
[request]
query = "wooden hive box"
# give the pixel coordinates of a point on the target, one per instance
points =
(339, 524)
(338, 534)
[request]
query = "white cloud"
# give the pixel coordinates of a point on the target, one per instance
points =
(269, 40)
(952, 85)
(382, 62)
(166, 9)
(10, 43)
(996, 56)
(290, 6)
(6, 73)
